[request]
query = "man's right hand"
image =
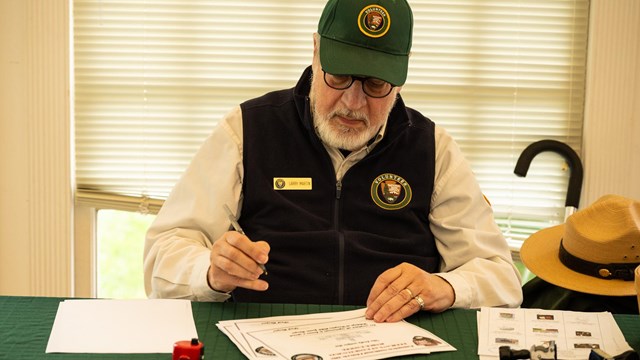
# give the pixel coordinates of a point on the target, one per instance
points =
(234, 263)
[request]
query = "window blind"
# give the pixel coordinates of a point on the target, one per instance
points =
(153, 77)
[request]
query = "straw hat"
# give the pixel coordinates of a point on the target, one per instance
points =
(594, 252)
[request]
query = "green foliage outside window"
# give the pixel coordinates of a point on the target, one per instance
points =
(119, 253)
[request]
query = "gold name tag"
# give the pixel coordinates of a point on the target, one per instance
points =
(283, 183)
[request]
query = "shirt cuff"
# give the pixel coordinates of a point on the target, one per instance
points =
(199, 283)
(461, 290)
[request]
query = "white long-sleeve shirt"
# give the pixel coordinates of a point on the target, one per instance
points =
(475, 258)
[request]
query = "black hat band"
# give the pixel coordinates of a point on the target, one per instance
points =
(620, 271)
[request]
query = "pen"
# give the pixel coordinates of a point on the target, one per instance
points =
(238, 228)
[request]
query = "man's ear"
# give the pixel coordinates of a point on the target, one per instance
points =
(316, 43)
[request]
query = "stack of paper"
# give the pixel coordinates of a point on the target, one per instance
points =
(329, 336)
(121, 326)
(575, 333)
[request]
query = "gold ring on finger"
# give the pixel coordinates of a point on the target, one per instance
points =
(420, 301)
(410, 293)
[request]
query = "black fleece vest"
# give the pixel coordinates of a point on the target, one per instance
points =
(330, 243)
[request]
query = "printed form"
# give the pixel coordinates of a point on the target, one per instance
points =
(346, 335)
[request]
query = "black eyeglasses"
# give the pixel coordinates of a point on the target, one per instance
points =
(371, 86)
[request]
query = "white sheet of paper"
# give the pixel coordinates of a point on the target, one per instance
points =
(348, 335)
(121, 326)
(575, 333)
(237, 330)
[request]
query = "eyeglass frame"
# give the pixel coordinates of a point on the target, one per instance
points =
(362, 79)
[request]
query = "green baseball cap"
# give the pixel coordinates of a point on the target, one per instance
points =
(366, 38)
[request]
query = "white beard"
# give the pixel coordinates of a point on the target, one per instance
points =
(339, 136)
(333, 134)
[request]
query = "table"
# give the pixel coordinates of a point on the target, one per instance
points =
(25, 325)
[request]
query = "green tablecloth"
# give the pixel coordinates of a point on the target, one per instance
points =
(25, 325)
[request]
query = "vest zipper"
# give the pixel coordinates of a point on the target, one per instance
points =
(336, 221)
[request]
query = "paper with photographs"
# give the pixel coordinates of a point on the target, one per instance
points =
(575, 333)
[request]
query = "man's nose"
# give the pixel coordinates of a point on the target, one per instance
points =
(354, 97)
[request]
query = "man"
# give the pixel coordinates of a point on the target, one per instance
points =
(345, 195)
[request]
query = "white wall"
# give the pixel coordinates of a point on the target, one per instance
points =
(35, 143)
(611, 143)
(35, 161)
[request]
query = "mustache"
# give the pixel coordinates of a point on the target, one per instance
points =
(350, 114)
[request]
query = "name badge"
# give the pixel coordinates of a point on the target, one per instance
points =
(286, 183)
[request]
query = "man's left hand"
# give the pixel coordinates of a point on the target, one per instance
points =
(404, 290)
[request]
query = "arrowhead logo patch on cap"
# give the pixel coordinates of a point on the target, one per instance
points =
(374, 21)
